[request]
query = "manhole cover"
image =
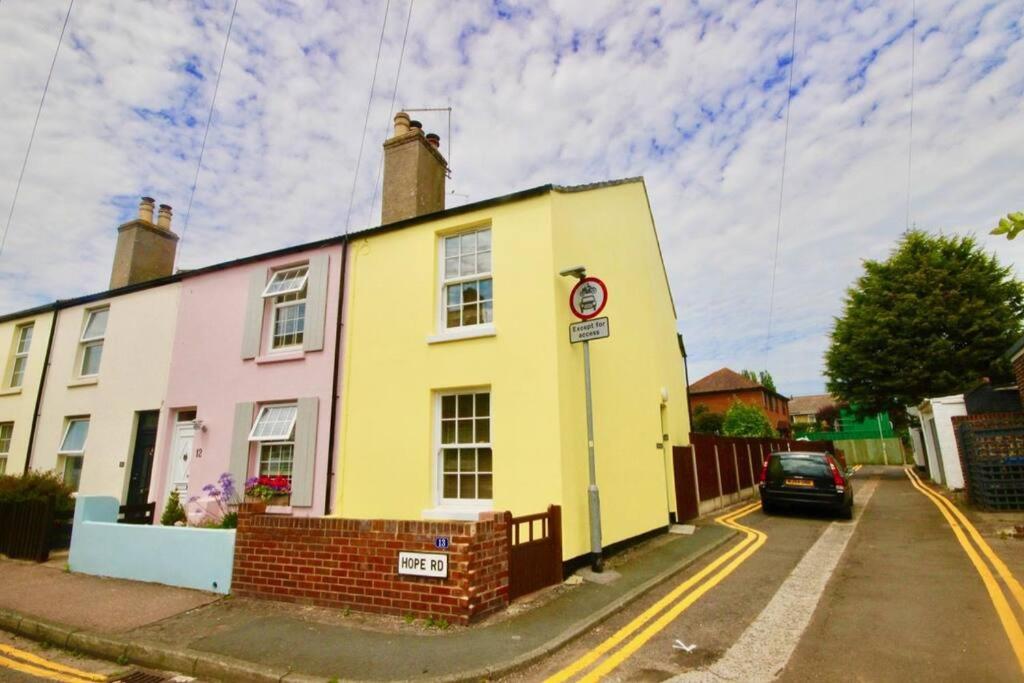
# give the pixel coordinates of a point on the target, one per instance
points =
(141, 677)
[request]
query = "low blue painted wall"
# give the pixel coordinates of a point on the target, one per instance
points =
(176, 556)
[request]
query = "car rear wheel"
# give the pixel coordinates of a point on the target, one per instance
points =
(767, 508)
(846, 512)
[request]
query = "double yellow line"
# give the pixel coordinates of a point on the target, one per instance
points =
(959, 523)
(673, 604)
(855, 468)
(28, 663)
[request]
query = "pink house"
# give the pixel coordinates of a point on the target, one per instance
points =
(253, 375)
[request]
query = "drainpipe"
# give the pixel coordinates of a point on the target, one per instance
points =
(686, 369)
(42, 381)
(334, 384)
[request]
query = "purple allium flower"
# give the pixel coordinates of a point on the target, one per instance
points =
(227, 487)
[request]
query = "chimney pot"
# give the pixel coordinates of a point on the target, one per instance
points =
(164, 218)
(414, 173)
(401, 123)
(146, 209)
(434, 139)
(144, 251)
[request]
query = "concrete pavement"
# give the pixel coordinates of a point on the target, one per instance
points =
(88, 602)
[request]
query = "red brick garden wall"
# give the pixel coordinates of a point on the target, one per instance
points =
(353, 563)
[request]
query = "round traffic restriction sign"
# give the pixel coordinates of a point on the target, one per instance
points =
(588, 298)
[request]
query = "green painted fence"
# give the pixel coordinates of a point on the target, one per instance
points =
(871, 452)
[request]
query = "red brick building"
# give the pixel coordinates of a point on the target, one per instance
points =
(718, 390)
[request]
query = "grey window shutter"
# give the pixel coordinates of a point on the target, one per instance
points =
(316, 303)
(304, 455)
(238, 464)
(254, 314)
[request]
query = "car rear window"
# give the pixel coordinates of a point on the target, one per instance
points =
(799, 466)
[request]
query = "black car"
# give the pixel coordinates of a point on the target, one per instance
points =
(811, 479)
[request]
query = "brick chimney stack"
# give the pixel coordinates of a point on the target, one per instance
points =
(145, 250)
(414, 172)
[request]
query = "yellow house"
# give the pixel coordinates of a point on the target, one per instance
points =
(23, 349)
(461, 391)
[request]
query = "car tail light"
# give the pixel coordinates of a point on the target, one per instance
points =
(764, 472)
(837, 476)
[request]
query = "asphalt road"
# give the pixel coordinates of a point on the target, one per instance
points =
(890, 596)
(26, 661)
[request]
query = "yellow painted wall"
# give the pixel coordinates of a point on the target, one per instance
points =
(390, 373)
(610, 231)
(132, 378)
(18, 404)
(386, 455)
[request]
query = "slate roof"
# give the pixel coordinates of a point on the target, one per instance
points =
(810, 405)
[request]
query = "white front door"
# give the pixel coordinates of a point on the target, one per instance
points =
(181, 457)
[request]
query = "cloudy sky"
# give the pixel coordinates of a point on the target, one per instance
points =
(691, 95)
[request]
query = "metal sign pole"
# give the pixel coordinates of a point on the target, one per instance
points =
(593, 496)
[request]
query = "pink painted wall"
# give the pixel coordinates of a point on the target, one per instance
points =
(209, 375)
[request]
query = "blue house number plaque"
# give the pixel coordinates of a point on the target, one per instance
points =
(441, 542)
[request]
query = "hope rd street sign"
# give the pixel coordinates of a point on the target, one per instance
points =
(423, 564)
(589, 330)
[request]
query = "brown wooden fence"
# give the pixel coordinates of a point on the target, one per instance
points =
(535, 551)
(725, 467)
(685, 477)
(26, 528)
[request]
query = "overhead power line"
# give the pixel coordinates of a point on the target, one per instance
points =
(394, 97)
(782, 183)
(366, 119)
(910, 132)
(35, 125)
(206, 132)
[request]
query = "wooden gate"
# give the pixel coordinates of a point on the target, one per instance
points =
(535, 551)
(687, 505)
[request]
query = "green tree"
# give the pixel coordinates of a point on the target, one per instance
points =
(742, 419)
(764, 378)
(930, 319)
(707, 422)
(1010, 226)
(173, 511)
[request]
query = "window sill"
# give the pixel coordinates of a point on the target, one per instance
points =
(462, 514)
(280, 357)
(474, 332)
(83, 382)
(10, 392)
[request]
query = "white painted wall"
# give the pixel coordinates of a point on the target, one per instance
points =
(917, 440)
(943, 456)
(132, 378)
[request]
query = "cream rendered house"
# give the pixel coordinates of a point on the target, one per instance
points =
(23, 347)
(109, 362)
